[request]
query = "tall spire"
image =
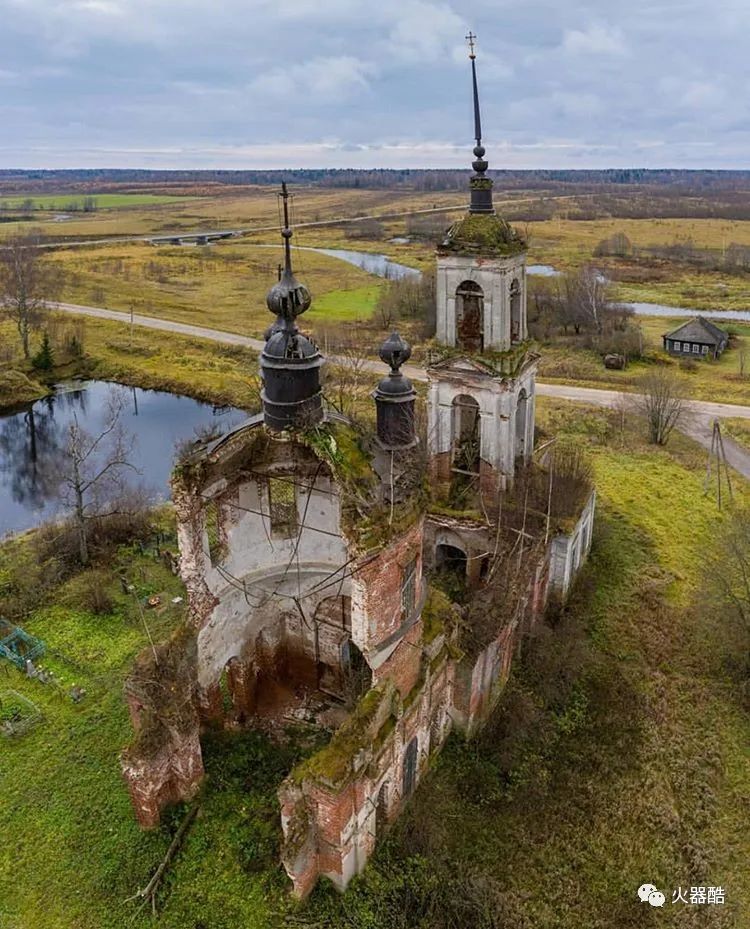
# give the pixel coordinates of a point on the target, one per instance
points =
(290, 362)
(480, 185)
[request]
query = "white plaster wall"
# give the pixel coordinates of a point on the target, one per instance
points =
(254, 549)
(569, 552)
(237, 621)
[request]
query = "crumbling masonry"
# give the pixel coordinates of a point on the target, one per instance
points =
(306, 546)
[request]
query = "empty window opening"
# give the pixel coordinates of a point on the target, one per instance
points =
(516, 329)
(410, 768)
(282, 498)
(466, 434)
(522, 416)
(381, 810)
(470, 317)
(212, 521)
(409, 588)
(356, 674)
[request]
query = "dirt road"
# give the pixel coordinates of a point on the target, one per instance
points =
(698, 424)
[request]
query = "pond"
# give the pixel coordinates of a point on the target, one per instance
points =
(33, 439)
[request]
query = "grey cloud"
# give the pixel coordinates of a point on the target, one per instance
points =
(237, 83)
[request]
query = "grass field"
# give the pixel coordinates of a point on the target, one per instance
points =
(618, 755)
(102, 201)
(562, 242)
(223, 288)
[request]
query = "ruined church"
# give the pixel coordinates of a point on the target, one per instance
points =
(373, 578)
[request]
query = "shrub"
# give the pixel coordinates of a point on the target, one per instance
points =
(44, 360)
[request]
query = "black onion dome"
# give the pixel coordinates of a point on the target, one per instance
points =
(394, 397)
(290, 345)
(395, 351)
(288, 298)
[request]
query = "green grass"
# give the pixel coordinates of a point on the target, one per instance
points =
(75, 201)
(72, 851)
(344, 305)
(737, 429)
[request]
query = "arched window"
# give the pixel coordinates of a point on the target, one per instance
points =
(381, 810)
(470, 317)
(522, 415)
(466, 434)
(410, 768)
(516, 330)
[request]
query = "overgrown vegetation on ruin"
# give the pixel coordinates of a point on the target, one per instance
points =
(627, 718)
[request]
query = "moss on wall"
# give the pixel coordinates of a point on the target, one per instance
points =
(483, 234)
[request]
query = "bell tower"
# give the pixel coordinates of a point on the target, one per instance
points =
(482, 383)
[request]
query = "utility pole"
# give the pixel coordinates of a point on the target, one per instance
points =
(717, 455)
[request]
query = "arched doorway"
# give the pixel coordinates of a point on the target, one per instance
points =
(466, 434)
(450, 560)
(470, 317)
(522, 413)
(516, 331)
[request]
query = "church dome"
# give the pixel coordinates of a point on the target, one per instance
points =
(483, 234)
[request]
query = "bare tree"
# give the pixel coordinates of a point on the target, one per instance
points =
(593, 296)
(93, 483)
(27, 284)
(727, 568)
(661, 402)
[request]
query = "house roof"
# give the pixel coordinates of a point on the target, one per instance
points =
(699, 329)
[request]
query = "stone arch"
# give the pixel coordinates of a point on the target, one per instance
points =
(522, 419)
(470, 316)
(466, 429)
(516, 327)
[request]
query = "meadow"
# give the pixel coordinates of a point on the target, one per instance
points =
(100, 201)
(220, 287)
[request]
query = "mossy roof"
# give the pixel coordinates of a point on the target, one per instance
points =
(483, 234)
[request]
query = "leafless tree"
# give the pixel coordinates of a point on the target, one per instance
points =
(349, 385)
(661, 402)
(93, 479)
(733, 556)
(27, 283)
(593, 296)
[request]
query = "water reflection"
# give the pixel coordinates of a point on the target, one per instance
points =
(32, 442)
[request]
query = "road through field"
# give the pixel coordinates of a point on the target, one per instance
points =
(698, 424)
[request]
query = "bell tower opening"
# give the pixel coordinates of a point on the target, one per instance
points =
(522, 416)
(470, 317)
(466, 435)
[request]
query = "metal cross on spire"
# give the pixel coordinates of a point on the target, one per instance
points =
(481, 186)
(286, 231)
(471, 39)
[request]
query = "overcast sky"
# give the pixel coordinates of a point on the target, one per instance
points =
(386, 83)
